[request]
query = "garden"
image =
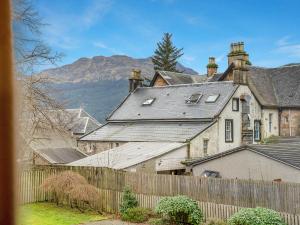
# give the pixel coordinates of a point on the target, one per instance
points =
(74, 201)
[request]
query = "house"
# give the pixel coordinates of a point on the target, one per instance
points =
(276, 89)
(146, 157)
(205, 116)
(271, 162)
(163, 78)
(58, 144)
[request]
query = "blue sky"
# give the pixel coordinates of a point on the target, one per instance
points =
(86, 28)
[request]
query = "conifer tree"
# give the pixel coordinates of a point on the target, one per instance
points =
(166, 54)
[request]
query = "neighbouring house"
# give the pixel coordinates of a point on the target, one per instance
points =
(272, 162)
(147, 157)
(164, 78)
(204, 116)
(276, 89)
(58, 144)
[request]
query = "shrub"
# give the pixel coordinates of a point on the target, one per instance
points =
(158, 221)
(215, 222)
(128, 201)
(256, 216)
(179, 209)
(136, 215)
(71, 186)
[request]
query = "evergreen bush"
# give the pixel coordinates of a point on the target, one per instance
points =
(179, 210)
(128, 201)
(256, 216)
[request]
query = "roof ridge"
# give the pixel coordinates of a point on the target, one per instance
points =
(193, 84)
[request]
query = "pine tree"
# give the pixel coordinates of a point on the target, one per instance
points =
(166, 54)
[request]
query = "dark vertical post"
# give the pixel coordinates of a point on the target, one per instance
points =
(7, 200)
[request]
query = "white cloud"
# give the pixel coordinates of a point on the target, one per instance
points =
(100, 44)
(188, 58)
(220, 58)
(286, 46)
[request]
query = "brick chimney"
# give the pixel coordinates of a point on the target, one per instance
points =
(135, 80)
(212, 67)
(237, 52)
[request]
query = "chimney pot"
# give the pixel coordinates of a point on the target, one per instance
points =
(212, 67)
(135, 80)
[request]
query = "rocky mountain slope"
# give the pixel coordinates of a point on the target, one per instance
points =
(116, 67)
(98, 84)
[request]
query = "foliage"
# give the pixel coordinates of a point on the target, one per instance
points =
(72, 186)
(128, 201)
(212, 65)
(256, 216)
(158, 221)
(215, 222)
(179, 209)
(270, 140)
(166, 54)
(136, 215)
(49, 214)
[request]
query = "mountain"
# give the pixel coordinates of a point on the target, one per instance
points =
(116, 67)
(98, 84)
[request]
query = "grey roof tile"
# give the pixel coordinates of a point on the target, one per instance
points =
(128, 155)
(147, 131)
(170, 102)
(60, 155)
(173, 78)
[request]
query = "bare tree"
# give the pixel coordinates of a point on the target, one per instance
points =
(38, 112)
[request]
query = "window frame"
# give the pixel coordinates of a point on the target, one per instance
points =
(270, 122)
(237, 104)
(145, 102)
(205, 146)
(188, 101)
(214, 100)
(231, 131)
(259, 130)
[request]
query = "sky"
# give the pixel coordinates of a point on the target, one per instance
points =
(87, 28)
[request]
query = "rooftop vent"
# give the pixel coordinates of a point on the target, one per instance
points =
(212, 98)
(148, 101)
(194, 98)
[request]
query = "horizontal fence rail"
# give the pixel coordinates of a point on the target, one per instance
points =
(219, 198)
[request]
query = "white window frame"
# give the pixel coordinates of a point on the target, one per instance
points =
(228, 130)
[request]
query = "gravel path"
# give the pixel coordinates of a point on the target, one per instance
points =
(113, 222)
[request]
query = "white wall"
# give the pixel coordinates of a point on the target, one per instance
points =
(265, 123)
(216, 133)
(249, 165)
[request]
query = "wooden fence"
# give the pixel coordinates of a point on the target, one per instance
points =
(219, 198)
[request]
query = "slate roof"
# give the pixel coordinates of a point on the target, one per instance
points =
(274, 87)
(127, 155)
(173, 78)
(287, 152)
(76, 120)
(147, 131)
(170, 102)
(60, 155)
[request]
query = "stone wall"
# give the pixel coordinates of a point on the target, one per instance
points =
(290, 122)
(159, 82)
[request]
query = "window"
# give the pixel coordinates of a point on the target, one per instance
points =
(205, 146)
(117, 144)
(148, 101)
(228, 130)
(212, 98)
(270, 121)
(256, 130)
(194, 99)
(235, 104)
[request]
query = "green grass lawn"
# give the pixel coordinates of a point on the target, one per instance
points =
(50, 214)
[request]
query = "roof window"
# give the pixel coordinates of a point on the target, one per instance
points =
(212, 98)
(194, 98)
(148, 101)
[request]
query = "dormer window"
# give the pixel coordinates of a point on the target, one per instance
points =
(194, 98)
(212, 98)
(148, 101)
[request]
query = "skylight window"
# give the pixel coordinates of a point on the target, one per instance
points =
(194, 98)
(148, 101)
(212, 98)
